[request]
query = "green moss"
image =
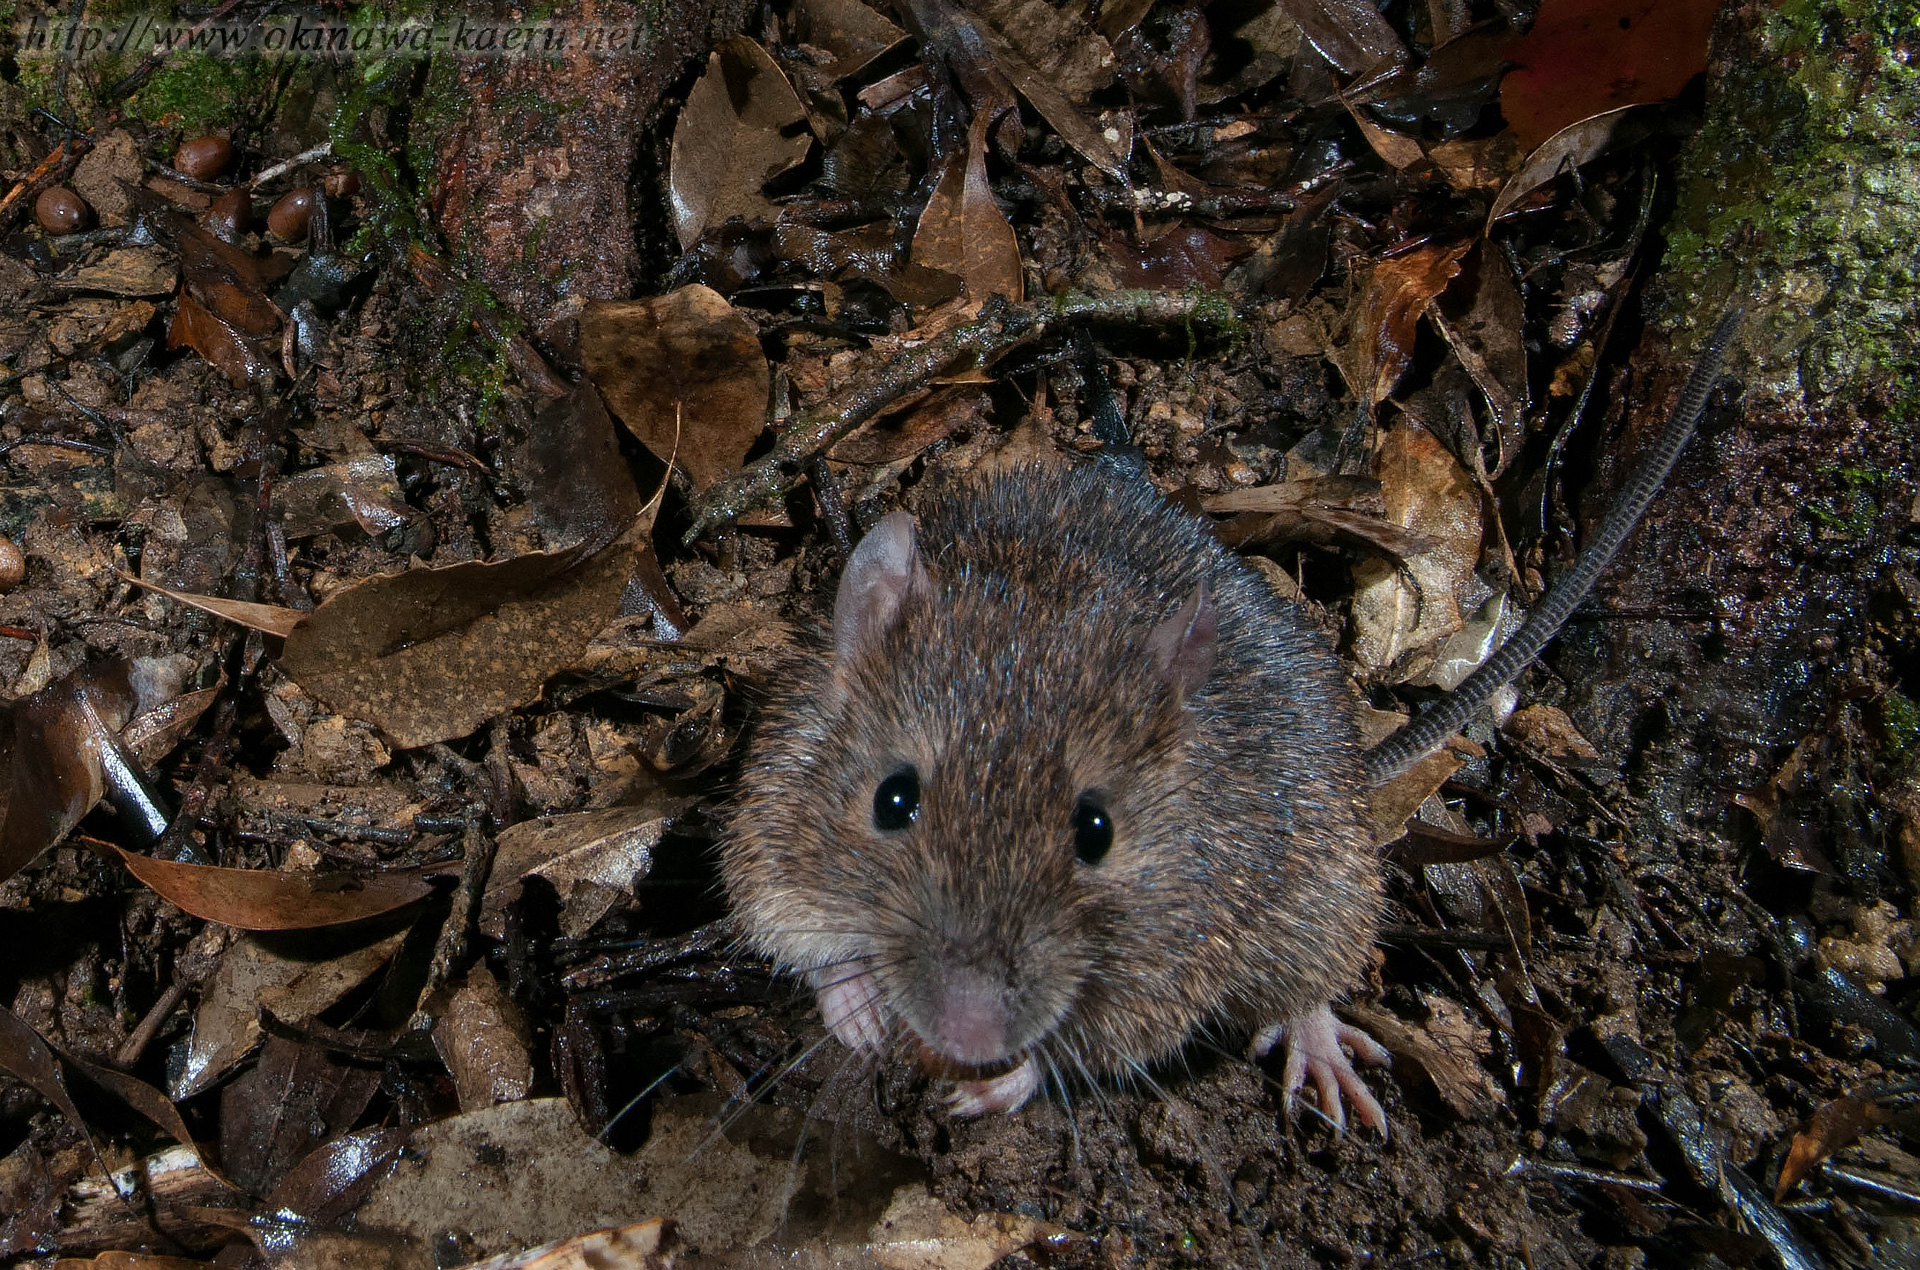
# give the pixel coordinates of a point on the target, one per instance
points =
(1802, 190)
(1899, 724)
(1850, 507)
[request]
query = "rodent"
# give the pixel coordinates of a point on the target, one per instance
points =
(1069, 782)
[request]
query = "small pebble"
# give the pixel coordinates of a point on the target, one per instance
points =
(203, 158)
(60, 211)
(343, 183)
(289, 218)
(13, 565)
(228, 216)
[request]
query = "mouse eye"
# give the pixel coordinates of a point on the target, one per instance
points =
(896, 803)
(1092, 829)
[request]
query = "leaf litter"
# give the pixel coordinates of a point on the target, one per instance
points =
(528, 1062)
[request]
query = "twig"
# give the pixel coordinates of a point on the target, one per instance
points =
(999, 328)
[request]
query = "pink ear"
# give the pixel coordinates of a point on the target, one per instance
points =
(1184, 644)
(883, 569)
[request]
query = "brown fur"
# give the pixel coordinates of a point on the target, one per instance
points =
(1242, 886)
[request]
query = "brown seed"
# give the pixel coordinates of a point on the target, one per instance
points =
(288, 219)
(203, 158)
(229, 215)
(13, 565)
(60, 211)
(343, 183)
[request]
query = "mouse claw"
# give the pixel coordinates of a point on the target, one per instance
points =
(850, 1007)
(1006, 1092)
(1317, 1048)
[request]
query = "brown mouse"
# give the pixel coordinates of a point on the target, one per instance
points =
(1070, 782)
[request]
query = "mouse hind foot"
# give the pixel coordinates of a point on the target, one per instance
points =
(1317, 1047)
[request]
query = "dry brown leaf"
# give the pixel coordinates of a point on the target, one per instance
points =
(1581, 57)
(963, 232)
(431, 654)
(1565, 150)
(484, 1040)
(1835, 1125)
(1350, 34)
(1424, 1059)
(1549, 730)
(268, 619)
(127, 271)
(1377, 343)
(742, 126)
(269, 900)
(1397, 611)
(128, 1261)
(685, 374)
(1049, 40)
(1481, 316)
(591, 858)
(852, 31)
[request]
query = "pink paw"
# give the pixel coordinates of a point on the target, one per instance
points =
(1317, 1046)
(850, 1006)
(1006, 1092)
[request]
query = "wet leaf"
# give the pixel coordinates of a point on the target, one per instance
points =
(1376, 345)
(1397, 611)
(1481, 316)
(431, 654)
(51, 747)
(1350, 34)
(1446, 1067)
(255, 975)
(128, 1261)
(231, 353)
(742, 126)
(337, 494)
(270, 900)
(1583, 57)
(963, 231)
(280, 1109)
(685, 374)
(1055, 61)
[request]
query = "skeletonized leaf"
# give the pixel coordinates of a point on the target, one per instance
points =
(685, 374)
(431, 654)
(742, 126)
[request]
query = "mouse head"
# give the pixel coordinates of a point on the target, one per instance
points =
(981, 801)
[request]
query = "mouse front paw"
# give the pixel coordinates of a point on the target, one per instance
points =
(1317, 1047)
(849, 1000)
(1006, 1092)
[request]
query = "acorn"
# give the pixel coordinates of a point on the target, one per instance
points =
(288, 219)
(60, 211)
(228, 217)
(203, 158)
(342, 183)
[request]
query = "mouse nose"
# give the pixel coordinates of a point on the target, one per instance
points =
(970, 1020)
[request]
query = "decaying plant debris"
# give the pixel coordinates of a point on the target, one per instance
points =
(415, 470)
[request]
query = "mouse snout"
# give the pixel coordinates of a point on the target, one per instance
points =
(969, 1022)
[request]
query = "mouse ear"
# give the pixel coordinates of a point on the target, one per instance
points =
(1184, 644)
(882, 570)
